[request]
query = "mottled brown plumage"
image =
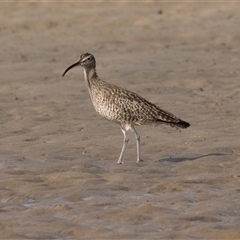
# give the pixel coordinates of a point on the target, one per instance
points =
(122, 106)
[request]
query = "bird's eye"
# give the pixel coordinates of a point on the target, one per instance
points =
(86, 59)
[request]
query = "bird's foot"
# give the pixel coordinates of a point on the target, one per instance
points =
(119, 162)
(139, 160)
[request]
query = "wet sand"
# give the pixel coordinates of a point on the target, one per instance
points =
(58, 171)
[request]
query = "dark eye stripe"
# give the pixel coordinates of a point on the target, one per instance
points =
(88, 58)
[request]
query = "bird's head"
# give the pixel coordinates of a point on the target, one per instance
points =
(86, 61)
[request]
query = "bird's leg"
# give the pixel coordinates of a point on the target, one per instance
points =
(125, 142)
(137, 137)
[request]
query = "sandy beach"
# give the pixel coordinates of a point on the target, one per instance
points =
(58, 173)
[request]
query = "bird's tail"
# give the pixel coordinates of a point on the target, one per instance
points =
(173, 121)
(182, 124)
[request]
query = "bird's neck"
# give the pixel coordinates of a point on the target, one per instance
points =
(90, 75)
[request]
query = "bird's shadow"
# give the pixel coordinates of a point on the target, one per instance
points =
(182, 159)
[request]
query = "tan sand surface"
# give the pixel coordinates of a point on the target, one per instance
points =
(58, 173)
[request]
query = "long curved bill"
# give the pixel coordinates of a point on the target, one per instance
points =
(72, 66)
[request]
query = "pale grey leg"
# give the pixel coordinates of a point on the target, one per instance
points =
(137, 137)
(125, 142)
